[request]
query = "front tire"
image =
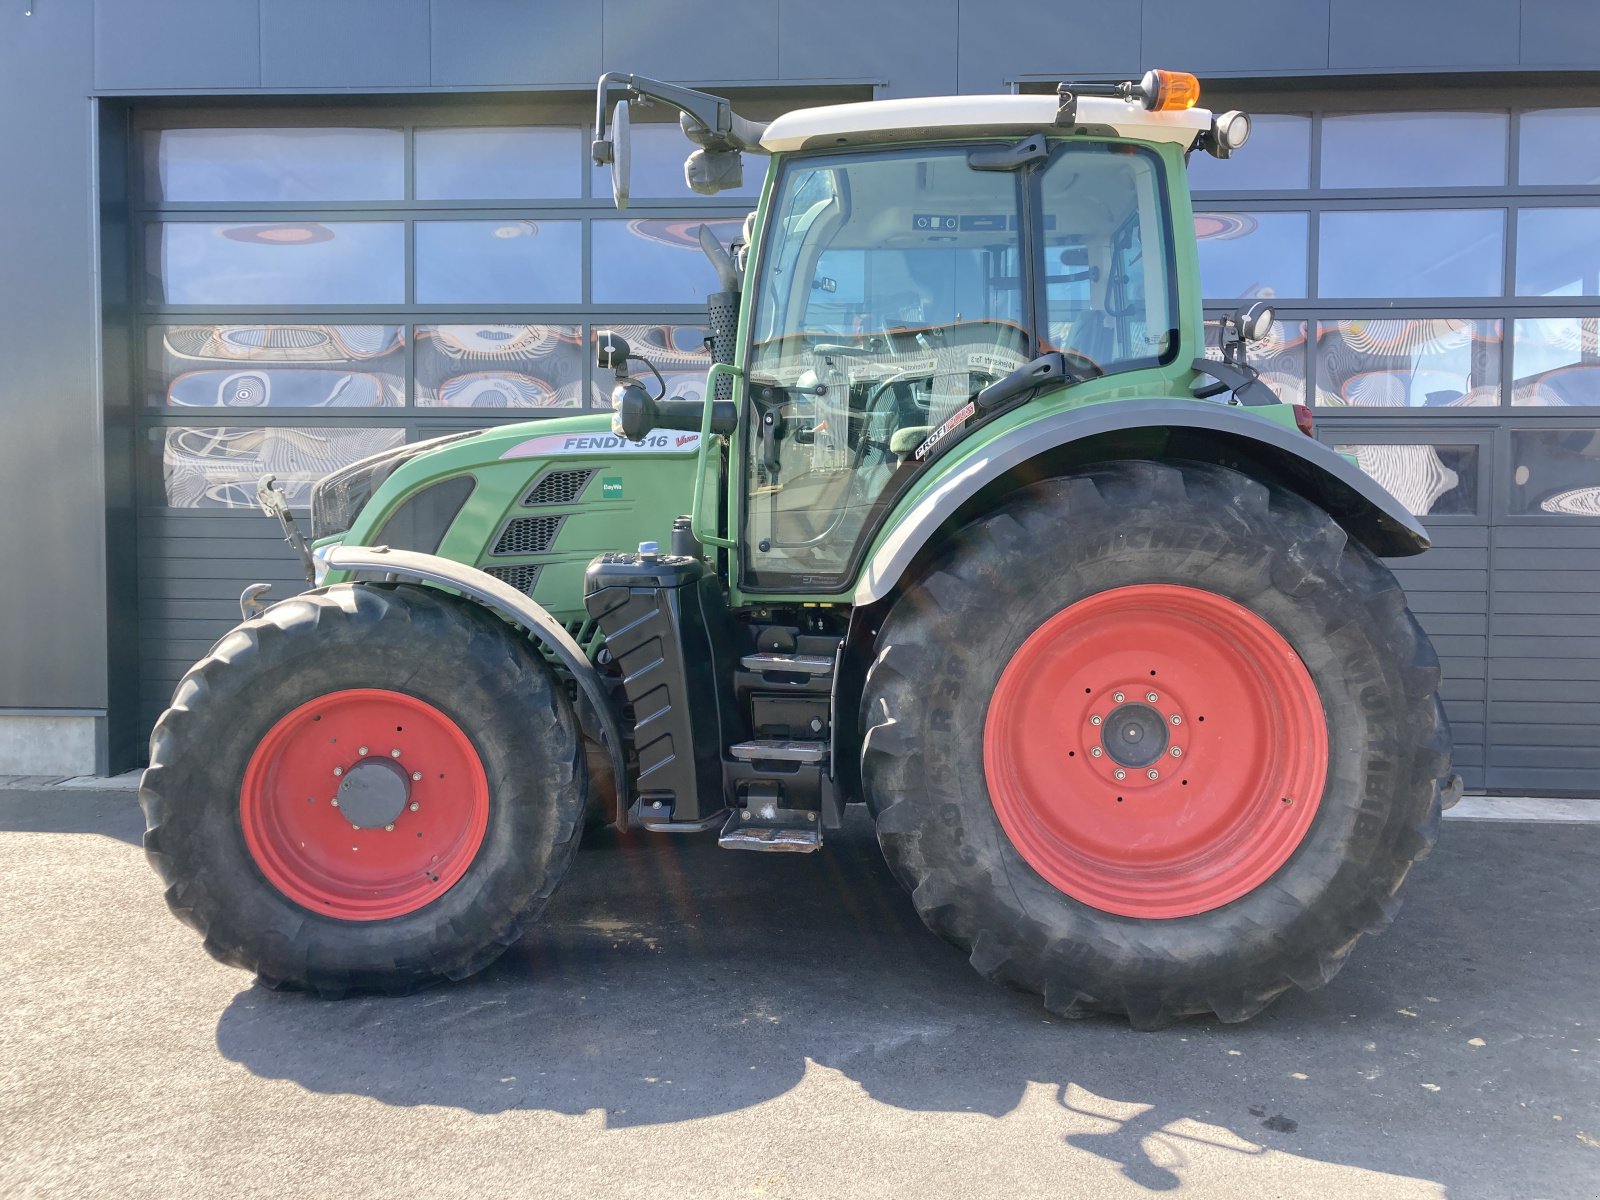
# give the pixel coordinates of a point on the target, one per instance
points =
(364, 788)
(1154, 739)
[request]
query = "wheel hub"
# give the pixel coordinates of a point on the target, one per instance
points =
(374, 793)
(1135, 735)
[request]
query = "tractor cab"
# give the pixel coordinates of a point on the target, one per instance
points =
(921, 268)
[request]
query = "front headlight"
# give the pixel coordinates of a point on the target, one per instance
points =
(337, 499)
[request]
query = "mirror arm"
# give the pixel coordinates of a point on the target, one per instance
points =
(724, 127)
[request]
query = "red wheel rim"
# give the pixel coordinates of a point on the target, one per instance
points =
(1178, 833)
(364, 804)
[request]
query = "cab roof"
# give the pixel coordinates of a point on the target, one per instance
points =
(934, 117)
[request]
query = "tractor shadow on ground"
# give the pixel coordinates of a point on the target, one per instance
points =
(672, 980)
(59, 810)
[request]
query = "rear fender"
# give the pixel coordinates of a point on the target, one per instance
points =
(1149, 429)
(595, 714)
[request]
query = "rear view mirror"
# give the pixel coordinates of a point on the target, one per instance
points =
(619, 154)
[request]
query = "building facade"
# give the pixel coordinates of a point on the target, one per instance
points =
(243, 236)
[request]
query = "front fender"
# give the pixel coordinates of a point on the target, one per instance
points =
(594, 713)
(1153, 429)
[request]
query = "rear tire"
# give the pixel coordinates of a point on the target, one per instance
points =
(456, 754)
(1245, 601)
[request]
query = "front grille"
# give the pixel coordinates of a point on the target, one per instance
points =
(558, 487)
(524, 577)
(528, 535)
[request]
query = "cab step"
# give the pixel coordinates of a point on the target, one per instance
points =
(776, 750)
(788, 664)
(772, 830)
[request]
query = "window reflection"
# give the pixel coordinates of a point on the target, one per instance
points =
(1558, 252)
(1429, 480)
(499, 163)
(499, 262)
(220, 467)
(1427, 149)
(276, 366)
(1557, 361)
(1252, 254)
(655, 260)
(1559, 146)
(1278, 157)
(280, 262)
(1438, 252)
(1556, 472)
(1280, 357)
(499, 366)
(1442, 362)
(255, 165)
(656, 155)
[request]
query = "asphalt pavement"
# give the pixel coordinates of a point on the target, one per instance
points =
(692, 1022)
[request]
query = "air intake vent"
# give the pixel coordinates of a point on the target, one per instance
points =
(523, 577)
(559, 487)
(528, 535)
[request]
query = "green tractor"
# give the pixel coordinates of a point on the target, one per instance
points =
(965, 527)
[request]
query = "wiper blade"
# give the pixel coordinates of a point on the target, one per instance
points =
(1046, 372)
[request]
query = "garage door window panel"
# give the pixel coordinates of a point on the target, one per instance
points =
(1279, 159)
(499, 262)
(1418, 362)
(1252, 255)
(1411, 252)
(1414, 150)
(1430, 480)
(513, 162)
(656, 156)
(495, 366)
(655, 260)
(288, 365)
(1280, 357)
(1559, 147)
(679, 352)
(1558, 252)
(1555, 474)
(1557, 361)
(256, 263)
(255, 166)
(220, 466)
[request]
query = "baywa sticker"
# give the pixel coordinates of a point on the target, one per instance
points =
(611, 487)
(549, 445)
(957, 419)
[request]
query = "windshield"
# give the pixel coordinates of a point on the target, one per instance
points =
(894, 286)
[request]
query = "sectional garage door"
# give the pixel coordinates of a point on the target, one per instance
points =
(317, 285)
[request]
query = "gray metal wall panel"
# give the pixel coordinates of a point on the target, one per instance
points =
(53, 587)
(1560, 33)
(1187, 36)
(175, 44)
(351, 44)
(911, 44)
(1366, 34)
(1002, 39)
(697, 40)
(529, 42)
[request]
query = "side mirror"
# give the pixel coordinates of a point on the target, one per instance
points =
(1254, 322)
(619, 154)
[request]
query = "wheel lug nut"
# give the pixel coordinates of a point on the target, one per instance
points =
(416, 777)
(1153, 773)
(394, 754)
(1095, 751)
(1094, 720)
(1176, 719)
(1152, 697)
(1118, 697)
(414, 807)
(389, 828)
(1119, 773)
(1176, 752)
(338, 771)
(362, 750)
(336, 802)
